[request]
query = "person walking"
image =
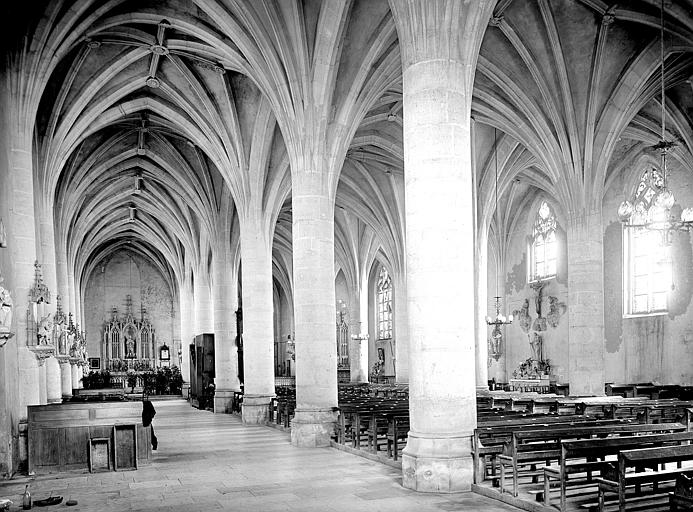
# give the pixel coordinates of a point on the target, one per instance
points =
(148, 413)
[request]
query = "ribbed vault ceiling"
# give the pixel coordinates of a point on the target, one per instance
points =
(209, 102)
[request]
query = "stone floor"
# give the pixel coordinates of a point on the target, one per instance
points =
(214, 462)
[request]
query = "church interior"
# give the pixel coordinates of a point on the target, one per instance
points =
(451, 237)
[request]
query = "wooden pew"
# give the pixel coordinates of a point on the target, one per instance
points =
(489, 439)
(536, 446)
(683, 493)
(583, 457)
(618, 479)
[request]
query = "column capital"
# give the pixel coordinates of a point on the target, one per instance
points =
(441, 29)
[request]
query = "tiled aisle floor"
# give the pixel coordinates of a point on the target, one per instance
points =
(214, 462)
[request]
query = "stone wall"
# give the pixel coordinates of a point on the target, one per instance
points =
(126, 273)
(637, 349)
(649, 348)
(516, 289)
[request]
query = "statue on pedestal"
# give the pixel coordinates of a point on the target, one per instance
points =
(537, 345)
(45, 330)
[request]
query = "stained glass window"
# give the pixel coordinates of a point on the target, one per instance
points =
(543, 250)
(384, 301)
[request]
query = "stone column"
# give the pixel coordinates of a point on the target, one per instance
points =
(314, 293)
(225, 350)
(22, 244)
(483, 308)
(74, 372)
(401, 331)
(53, 381)
(65, 377)
(358, 345)
(186, 327)
(440, 41)
(204, 312)
(43, 392)
(258, 321)
(586, 304)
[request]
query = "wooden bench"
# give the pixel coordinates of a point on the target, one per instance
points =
(683, 493)
(619, 478)
(489, 440)
(536, 446)
(587, 456)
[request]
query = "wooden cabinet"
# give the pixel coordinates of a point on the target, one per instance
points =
(60, 435)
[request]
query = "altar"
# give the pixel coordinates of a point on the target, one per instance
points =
(128, 342)
(541, 385)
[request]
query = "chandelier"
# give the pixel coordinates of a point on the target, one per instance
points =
(499, 318)
(650, 207)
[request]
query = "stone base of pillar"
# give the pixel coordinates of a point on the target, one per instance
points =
(223, 401)
(255, 409)
(437, 464)
(313, 428)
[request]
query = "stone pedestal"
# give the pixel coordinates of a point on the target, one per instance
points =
(53, 381)
(223, 400)
(313, 429)
(255, 409)
(65, 377)
(437, 464)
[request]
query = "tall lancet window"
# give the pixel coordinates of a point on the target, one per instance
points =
(544, 247)
(646, 259)
(384, 301)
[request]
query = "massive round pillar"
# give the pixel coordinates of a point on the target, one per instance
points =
(358, 345)
(439, 41)
(225, 349)
(586, 299)
(314, 293)
(258, 321)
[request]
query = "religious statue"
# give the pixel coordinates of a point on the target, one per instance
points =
(540, 321)
(45, 330)
(495, 342)
(537, 344)
(5, 309)
(130, 348)
(522, 316)
(556, 310)
(67, 339)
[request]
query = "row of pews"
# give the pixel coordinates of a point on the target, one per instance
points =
(566, 453)
(586, 453)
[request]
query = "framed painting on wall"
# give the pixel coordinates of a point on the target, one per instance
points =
(94, 363)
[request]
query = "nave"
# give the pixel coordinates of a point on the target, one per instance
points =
(209, 461)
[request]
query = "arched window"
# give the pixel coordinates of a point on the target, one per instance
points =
(384, 301)
(646, 261)
(543, 250)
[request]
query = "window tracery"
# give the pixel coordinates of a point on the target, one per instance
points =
(544, 246)
(384, 302)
